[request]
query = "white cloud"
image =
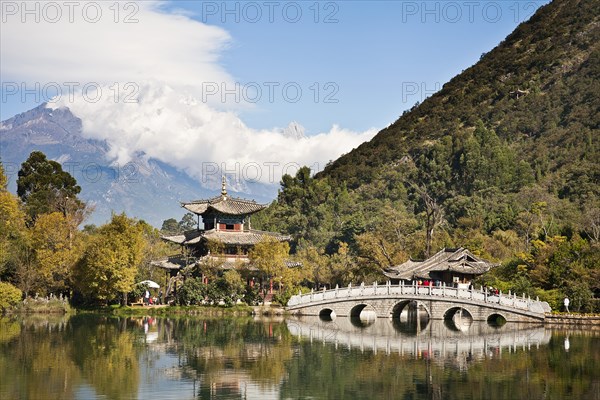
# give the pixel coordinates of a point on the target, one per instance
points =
(198, 139)
(166, 57)
(160, 46)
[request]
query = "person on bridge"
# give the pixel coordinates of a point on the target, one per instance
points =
(566, 302)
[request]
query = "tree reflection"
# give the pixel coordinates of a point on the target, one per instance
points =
(34, 360)
(58, 355)
(61, 358)
(224, 354)
(106, 355)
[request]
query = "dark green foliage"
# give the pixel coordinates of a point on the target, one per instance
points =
(226, 289)
(193, 291)
(170, 227)
(188, 222)
(475, 133)
(44, 187)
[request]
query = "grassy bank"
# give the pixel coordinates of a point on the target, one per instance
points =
(238, 310)
(41, 305)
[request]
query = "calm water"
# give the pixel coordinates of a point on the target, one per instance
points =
(92, 357)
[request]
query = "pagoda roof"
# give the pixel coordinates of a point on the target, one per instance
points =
(225, 205)
(175, 262)
(459, 260)
(188, 237)
(250, 237)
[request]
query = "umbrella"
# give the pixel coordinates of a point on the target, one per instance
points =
(150, 284)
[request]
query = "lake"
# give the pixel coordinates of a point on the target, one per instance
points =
(100, 357)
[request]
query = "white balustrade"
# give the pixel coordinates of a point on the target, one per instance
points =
(477, 296)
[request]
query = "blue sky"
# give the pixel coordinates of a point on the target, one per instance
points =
(375, 52)
(343, 70)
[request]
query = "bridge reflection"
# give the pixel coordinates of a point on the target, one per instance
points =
(437, 340)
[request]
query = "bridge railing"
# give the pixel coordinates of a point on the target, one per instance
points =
(387, 289)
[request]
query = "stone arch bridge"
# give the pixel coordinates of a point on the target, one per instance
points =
(438, 302)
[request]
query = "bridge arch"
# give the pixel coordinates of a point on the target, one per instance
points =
(457, 312)
(327, 314)
(356, 310)
(496, 319)
(400, 309)
(458, 318)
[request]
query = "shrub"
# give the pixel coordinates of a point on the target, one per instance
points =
(10, 296)
(193, 291)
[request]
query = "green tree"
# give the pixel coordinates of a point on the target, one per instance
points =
(170, 227)
(44, 187)
(10, 296)
(111, 260)
(188, 222)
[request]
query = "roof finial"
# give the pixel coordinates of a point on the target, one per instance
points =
(223, 188)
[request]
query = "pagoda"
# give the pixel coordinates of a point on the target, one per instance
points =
(227, 233)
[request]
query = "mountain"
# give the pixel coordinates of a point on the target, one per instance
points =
(537, 93)
(144, 188)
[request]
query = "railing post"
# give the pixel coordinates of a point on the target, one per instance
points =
(485, 295)
(349, 289)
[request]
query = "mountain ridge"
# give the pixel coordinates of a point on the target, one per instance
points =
(144, 188)
(531, 90)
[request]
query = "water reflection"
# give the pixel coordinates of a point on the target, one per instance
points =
(440, 340)
(88, 357)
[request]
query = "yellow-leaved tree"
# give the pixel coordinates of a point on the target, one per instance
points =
(271, 258)
(58, 246)
(110, 260)
(12, 223)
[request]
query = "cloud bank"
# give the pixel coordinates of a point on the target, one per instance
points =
(139, 87)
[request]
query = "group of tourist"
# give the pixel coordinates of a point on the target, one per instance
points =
(493, 291)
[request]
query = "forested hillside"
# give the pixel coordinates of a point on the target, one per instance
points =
(538, 91)
(503, 160)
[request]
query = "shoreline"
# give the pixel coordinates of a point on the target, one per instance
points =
(551, 320)
(592, 321)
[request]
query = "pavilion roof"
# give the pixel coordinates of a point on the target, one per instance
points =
(250, 237)
(225, 205)
(459, 260)
(188, 237)
(175, 262)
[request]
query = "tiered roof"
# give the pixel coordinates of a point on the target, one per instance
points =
(249, 237)
(459, 260)
(224, 204)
